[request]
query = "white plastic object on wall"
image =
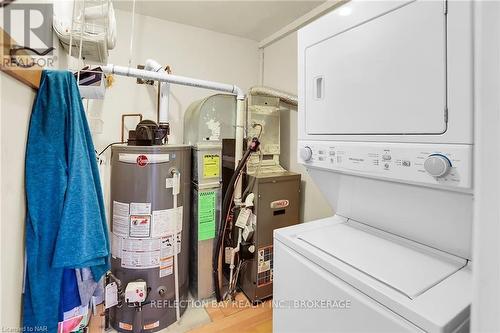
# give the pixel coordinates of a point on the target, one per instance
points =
(94, 23)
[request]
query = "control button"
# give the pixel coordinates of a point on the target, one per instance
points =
(386, 165)
(332, 152)
(306, 153)
(437, 165)
(386, 157)
(406, 163)
(321, 158)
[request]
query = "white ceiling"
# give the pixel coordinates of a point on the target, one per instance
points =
(255, 20)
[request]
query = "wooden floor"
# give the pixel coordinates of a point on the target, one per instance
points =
(96, 324)
(239, 316)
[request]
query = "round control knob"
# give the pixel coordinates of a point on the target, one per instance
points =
(437, 165)
(306, 153)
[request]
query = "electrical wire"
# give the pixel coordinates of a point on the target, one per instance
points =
(111, 144)
(251, 184)
(223, 235)
(226, 208)
(261, 129)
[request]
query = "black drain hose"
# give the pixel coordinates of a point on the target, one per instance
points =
(223, 216)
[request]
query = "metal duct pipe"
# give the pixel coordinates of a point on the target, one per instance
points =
(266, 91)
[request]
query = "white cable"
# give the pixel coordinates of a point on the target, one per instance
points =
(231, 265)
(81, 44)
(71, 33)
(132, 35)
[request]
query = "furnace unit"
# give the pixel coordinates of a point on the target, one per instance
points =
(276, 205)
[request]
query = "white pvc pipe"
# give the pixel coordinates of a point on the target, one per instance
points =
(174, 79)
(163, 105)
(175, 190)
(192, 82)
(164, 101)
(238, 150)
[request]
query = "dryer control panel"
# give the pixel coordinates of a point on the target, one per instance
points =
(430, 164)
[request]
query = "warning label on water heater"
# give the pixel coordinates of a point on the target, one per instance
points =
(140, 260)
(120, 218)
(140, 225)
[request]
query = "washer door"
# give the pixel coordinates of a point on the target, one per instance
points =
(407, 267)
(383, 76)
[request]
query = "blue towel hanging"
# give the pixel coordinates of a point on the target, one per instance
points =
(65, 221)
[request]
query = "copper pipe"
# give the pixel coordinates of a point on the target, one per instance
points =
(123, 121)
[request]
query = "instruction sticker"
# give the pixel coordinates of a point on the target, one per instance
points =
(206, 215)
(110, 295)
(211, 165)
(140, 208)
(152, 325)
(120, 225)
(141, 244)
(125, 326)
(265, 266)
(120, 208)
(167, 221)
(243, 217)
(167, 246)
(179, 243)
(120, 218)
(140, 225)
(179, 218)
(166, 266)
(140, 260)
(116, 246)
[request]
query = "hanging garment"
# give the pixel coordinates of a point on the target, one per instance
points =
(86, 285)
(69, 298)
(65, 221)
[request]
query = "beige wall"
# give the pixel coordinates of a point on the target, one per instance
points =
(16, 100)
(280, 71)
(190, 51)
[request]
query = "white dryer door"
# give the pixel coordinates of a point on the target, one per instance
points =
(386, 75)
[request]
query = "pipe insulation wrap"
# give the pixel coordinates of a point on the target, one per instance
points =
(266, 91)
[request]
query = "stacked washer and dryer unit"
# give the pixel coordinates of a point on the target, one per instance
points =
(386, 132)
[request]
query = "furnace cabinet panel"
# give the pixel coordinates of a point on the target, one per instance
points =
(281, 191)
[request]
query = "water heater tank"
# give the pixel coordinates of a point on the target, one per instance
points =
(150, 197)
